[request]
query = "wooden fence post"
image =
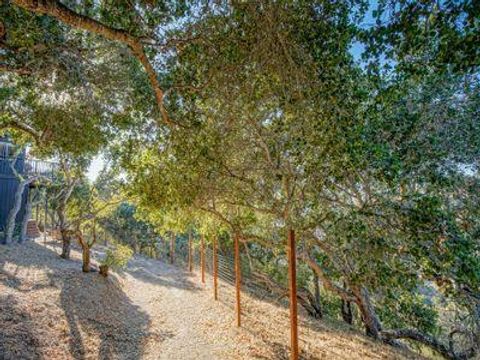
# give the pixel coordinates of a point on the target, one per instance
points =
(172, 248)
(292, 279)
(190, 265)
(215, 268)
(202, 257)
(237, 279)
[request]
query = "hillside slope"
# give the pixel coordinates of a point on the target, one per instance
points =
(50, 310)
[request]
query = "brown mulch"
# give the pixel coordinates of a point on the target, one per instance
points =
(49, 309)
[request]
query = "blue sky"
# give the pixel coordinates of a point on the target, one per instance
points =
(95, 167)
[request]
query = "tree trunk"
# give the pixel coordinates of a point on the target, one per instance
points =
(316, 286)
(346, 310)
(104, 270)
(85, 259)
(315, 300)
(12, 215)
(52, 219)
(66, 241)
(310, 303)
(86, 246)
(26, 218)
(66, 235)
(477, 325)
(370, 320)
(413, 334)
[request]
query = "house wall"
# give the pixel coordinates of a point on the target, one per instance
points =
(8, 186)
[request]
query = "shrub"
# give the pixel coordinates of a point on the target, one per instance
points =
(116, 258)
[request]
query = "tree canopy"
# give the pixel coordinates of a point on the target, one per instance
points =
(355, 123)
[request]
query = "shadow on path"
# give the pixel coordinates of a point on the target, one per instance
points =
(156, 272)
(17, 338)
(102, 321)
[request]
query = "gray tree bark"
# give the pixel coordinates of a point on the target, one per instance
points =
(370, 320)
(28, 214)
(66, 236)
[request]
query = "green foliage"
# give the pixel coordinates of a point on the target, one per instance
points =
(125, 227)
(299, 135)
(410, 309)
(421, 36)
(118, 257)
(76, 93)
(374, 163)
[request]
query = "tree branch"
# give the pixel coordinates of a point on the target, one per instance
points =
(344, 294)
(412, 334)
(59, 11)
(22, 71)
(14, 124)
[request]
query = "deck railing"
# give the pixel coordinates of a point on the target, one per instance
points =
(27, 166)
(40, 167)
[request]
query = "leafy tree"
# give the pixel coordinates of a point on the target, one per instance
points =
(265, 122)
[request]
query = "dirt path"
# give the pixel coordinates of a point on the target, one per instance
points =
(180, 306)
(49, 310)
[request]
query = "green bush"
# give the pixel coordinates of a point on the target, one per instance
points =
(118, 257)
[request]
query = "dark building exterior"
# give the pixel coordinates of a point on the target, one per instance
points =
(37, 171)
(9, 182)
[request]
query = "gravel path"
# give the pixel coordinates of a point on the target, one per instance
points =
(180, 306)
(49, 309)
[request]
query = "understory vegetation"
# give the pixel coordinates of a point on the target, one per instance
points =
(354, 123)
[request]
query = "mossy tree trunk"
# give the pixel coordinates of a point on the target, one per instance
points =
(104, 270)
(26, 218)
(86, 247)
(62, 219)
(346, 309)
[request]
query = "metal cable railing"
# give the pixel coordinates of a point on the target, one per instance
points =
(254, 282)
